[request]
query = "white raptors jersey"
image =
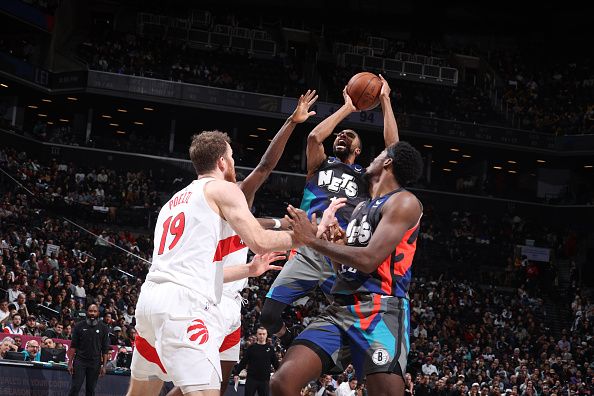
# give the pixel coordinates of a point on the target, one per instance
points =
(191, 241)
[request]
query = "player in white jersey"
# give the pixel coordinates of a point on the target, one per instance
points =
(178, 319)
(231, 299)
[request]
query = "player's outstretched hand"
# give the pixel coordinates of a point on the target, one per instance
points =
(336, 234)
(305, 102)
(385, 91)
(304, 230)
(262, 263)
(329, 216)
(348, 102)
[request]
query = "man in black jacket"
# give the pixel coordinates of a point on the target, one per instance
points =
(258, 358)
(88, 353)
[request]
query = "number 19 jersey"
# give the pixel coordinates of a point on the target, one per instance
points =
(190, 242)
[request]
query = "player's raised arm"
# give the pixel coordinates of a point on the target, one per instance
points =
(275, 149)
(390, 125)
(315, 140)
(233, 207)
(399, 214)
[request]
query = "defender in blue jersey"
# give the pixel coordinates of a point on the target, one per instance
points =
(373, 256)
(328, 178)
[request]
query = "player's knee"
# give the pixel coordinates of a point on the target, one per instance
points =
(279, 385)
(271, 316)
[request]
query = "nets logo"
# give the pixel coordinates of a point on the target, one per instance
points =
(335, 184)
(360, 233)
(197, 331)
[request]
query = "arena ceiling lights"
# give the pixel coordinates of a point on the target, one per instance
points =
(3, 85)
(148, 108)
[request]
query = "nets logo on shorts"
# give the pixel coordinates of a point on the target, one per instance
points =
(197, 331)
(380, 357)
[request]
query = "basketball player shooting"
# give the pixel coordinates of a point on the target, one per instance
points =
(328, 178)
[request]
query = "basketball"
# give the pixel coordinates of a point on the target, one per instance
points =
(364, 89)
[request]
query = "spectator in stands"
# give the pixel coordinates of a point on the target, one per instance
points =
(54, 329)
(7, 344)
(49, 343)
(31, 328)
(4, 312)
(14, 327)
(32, 351)
(347, 388)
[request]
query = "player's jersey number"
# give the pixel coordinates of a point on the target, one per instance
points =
(174, 226)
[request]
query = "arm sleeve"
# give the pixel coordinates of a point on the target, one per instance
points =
(105, 344)
(242, 363)
(75, 337)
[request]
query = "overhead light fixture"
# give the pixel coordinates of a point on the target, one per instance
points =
(253, 135)
(261, 129)
(454, 149)
(50, 123)
(428, 146)
(541, 161)
(63, 120)
(120, 132)
(148, 108)
(250, 148)
(497, 167)
(588, 166)
(512, 171)
(466, 156)
(447, 169)
(138, 123)
(453, 161)
(4, 85)
(71, 98)
(105, 116)
(42, 115)
(113, 124)
(270, 140)
(511, 162)
(46, 100)
(122, 110)
(32, 107)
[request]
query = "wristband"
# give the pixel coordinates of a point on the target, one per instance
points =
(277, 224)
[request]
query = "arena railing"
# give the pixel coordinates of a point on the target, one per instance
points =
(255, 104)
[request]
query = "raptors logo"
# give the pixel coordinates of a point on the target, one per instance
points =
(198, 331)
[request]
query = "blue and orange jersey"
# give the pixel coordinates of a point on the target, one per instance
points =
(335, 179)
(392, 277)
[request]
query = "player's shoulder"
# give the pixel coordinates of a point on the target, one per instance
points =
(222, 189)
(404, 200)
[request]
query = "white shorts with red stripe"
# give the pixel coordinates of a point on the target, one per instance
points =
(178, 339)
(231, 309)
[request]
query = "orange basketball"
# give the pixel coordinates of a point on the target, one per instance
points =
(364, 89)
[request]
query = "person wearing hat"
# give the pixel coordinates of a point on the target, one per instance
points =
(30, 328)
(116, 337)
